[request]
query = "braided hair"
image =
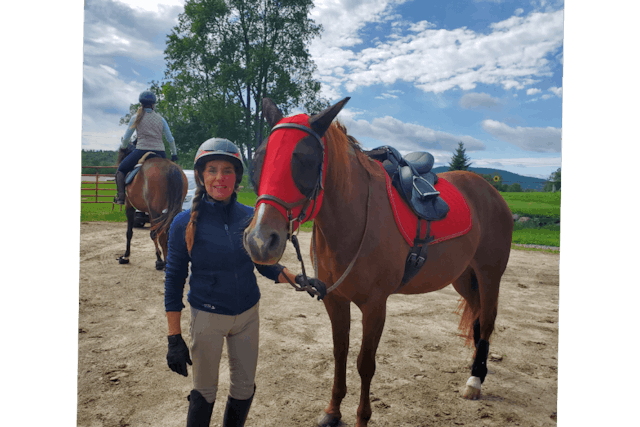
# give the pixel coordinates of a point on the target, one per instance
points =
(193, 220)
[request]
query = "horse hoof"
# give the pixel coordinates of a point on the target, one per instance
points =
(330, 421)
(123, 260)
(472, 389)
(160, 265)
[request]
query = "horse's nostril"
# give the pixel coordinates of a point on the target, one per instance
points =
(274, 241)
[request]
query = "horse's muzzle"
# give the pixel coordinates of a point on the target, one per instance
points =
(263, 245)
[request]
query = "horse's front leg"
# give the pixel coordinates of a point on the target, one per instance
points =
(339, 310)
(373, 318)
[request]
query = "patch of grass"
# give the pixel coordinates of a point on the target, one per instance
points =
(539, 236)
(523, 248)
(101, 212)
(534, 204)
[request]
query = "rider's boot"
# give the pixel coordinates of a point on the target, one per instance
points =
(119, 199)
(235, 414)
(199, 410)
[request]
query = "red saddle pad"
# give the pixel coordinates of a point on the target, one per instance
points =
(455, 224)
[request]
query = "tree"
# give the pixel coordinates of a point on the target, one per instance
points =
(554, 181)
(496, 181)
(515, 188)
(224, 56)
(459, 160)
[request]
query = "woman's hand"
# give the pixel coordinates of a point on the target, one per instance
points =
(178, 355)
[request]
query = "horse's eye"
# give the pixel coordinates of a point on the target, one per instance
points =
(305, 165)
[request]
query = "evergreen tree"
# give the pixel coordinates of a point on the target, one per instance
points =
(459, 160)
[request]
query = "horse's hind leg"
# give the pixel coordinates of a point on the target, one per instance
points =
(154, 236)
(130, 212)
(339, 310)
(159, 262)
(478, 318)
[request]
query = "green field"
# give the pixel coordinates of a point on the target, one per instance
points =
(542, 229)
(534, 204)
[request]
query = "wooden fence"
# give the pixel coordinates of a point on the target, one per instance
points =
(96, 185)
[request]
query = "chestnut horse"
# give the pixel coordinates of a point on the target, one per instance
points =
(159, 188)
(355, 234)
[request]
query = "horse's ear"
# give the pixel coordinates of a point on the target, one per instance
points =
(321, 121)
(271, 112)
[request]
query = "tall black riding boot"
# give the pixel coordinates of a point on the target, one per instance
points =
(199, 410)
(119, 199)
(235, 414)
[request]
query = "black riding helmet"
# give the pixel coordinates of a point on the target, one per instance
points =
(147, 97)
(219, 148)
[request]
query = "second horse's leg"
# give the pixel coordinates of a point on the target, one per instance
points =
(130, 212)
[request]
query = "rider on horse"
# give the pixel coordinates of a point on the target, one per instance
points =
(149, 126)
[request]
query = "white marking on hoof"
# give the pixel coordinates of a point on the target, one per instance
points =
(472, 389)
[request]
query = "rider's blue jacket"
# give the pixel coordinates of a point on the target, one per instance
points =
(222, 279)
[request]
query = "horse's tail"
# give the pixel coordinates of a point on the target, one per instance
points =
(467, 318)
(174, 197)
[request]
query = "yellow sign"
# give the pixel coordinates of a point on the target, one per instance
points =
(496, 178)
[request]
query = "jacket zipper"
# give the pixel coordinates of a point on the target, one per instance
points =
(226, 228)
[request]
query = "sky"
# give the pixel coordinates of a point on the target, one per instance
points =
(422, 76)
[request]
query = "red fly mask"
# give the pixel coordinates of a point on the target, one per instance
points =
(291, 164)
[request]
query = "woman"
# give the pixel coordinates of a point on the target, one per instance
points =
(223, 291)
(149, 126)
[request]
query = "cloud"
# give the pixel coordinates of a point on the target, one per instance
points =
(515, 54)
(390, 94)
(473, 101)
(557, 91)
(533, 91)
(406, 137)
(540, 140)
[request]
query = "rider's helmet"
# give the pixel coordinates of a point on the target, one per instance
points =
(219, 148)
(147, 97)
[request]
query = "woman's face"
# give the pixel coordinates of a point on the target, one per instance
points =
(219, 178)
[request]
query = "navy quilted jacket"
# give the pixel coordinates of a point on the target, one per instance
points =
(222, 278)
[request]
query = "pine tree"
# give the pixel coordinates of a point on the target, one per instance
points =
(459, 161)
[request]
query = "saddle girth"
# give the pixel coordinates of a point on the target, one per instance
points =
(417, 254)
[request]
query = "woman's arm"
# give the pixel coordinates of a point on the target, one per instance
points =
(129, 132)
(170, 140)
(282, 278)
(173, 318)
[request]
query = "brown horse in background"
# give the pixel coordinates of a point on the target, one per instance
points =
(473, 263)
(159, 188)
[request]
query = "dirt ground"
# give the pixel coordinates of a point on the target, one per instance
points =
(422, 365)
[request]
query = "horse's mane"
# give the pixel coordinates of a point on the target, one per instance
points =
(341, 149)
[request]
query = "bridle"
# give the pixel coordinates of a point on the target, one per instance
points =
(302, 217)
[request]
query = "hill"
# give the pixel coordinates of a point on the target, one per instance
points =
(508, 178)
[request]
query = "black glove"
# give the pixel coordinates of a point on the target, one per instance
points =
(317, 284)
(178, 355)
(174, 157)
